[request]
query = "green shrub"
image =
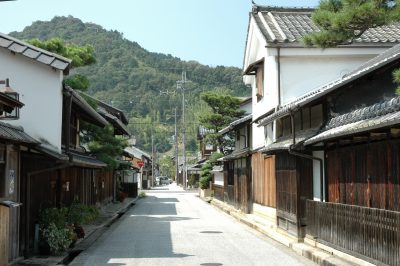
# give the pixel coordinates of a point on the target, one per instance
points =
(56, 216)
(142, 194)
(57, 238)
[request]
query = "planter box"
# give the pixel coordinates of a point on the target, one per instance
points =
(205, 193)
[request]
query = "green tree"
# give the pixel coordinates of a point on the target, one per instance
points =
(79, 55)
(205, 172)
(224, 109)
(102, 143)
(341, 21)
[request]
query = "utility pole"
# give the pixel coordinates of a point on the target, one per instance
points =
(182, 84)
(152, 159)
(176, 152)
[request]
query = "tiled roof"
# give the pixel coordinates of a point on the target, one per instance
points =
(236, 154)
(15, 134)
(235, 123)
(35, 53)
(287, 26)
(286, 142)
(377, 62)
(119, 127)
(85, 160)
(87, 112)
(379, 115)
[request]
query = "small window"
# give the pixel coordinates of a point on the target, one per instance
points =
(260, 82)
(286, 126)
(231, 179)
(279, 130)
(305, 115)
(297, 121)
(316, 116)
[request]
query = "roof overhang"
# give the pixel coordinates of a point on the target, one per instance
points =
(250, 70)
(87, 113)
(236, 155)
(86, 161)
(362, 126)
(287, 142)
(119, 127)
(236, 123)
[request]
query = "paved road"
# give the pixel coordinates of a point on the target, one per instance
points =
(172, 227)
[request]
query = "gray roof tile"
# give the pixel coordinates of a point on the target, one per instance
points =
(17, 48)
(15, 134)
(46, 59)
(31, 53)
(356, 127)
(34, 53)
(5, 42)
(289, 25)
(364, 119)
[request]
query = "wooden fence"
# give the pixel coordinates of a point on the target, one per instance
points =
(369, 233)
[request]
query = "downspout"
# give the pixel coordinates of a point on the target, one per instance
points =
(28, 201)
(68, 121)
(279, 77)
(306, 156)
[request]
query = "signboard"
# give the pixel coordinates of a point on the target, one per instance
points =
(140, 164)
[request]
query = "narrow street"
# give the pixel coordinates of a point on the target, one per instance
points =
(173, 227)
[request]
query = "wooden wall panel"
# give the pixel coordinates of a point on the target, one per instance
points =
(365, 175)
(264, 179)
(4, 232)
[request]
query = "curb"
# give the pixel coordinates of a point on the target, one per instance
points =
(95, 234)
(315, 254)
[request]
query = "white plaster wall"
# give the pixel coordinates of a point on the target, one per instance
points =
(317, 175)
(40, 89)
(301, 74)
(219, 178)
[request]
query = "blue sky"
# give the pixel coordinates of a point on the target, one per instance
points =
(212, 32)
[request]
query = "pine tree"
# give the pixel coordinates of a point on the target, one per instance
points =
(342, 21)
(224, 110)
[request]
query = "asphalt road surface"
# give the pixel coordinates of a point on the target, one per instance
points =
(172, 227)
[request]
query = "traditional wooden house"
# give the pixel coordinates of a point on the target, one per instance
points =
(54, 179)
(236, 187)
(11, 139)
(142, 161)
(279, 69)
(354, 157)
(119, 122)
(37, 76)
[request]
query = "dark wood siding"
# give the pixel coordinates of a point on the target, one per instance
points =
(365, 175)
(369, 233)
(294, 184)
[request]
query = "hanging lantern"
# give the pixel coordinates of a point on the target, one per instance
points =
(14, 114)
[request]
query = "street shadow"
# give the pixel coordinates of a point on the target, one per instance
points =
(144, 233)
(140, 237)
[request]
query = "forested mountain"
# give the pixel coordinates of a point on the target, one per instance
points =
(141, 83)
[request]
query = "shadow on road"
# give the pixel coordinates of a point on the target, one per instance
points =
(145, 233)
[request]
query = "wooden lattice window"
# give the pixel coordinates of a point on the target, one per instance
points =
(260, 82)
